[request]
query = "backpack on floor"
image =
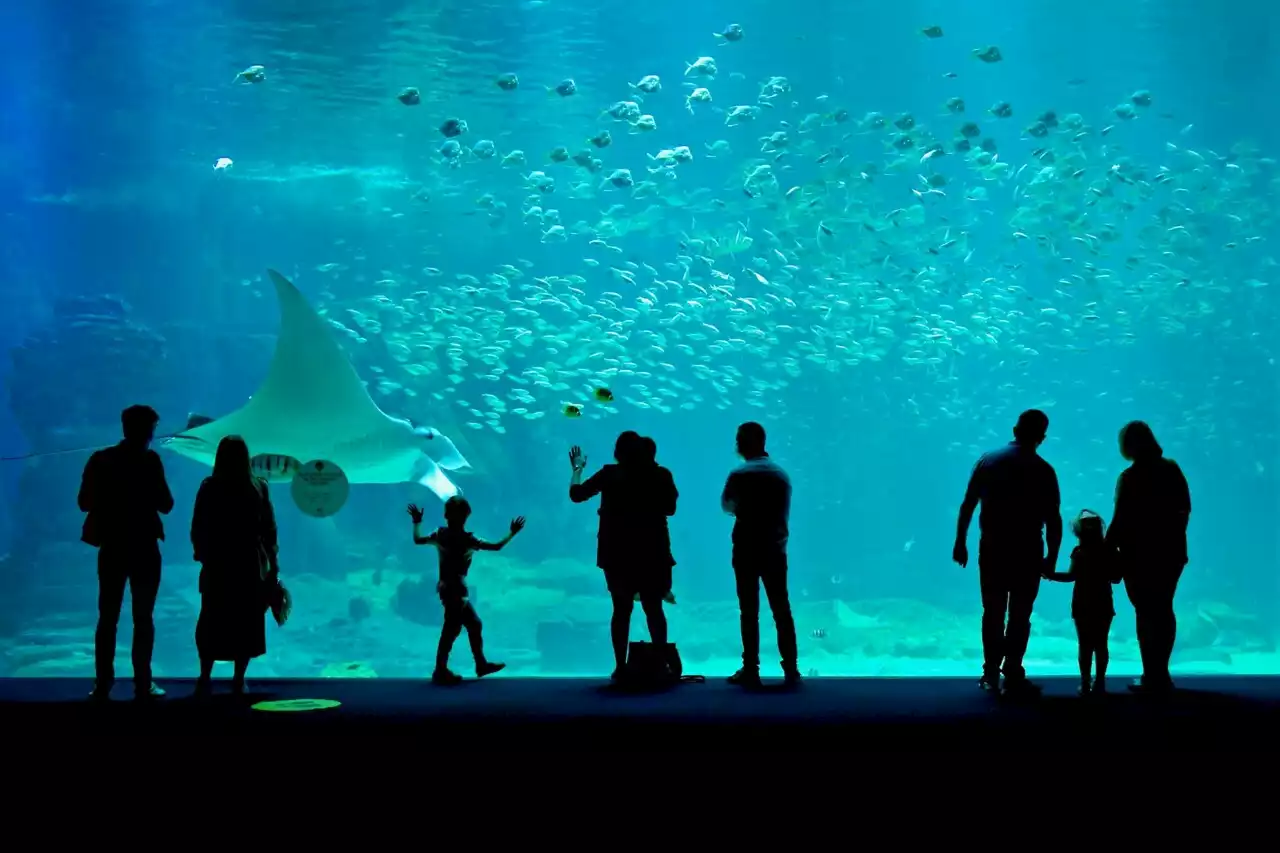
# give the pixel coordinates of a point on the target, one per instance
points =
(645, 665)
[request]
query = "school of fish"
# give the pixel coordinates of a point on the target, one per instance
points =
(842, 242)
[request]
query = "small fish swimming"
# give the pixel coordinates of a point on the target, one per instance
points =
(273, 467)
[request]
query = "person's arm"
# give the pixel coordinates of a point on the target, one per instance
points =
(729, 497)
(1053, 520)
(1181, 497)
(1069, 575)
(88, 485)
(517, 524)
(669, 494)
(416, 513)
(972, 496)
(200, 523)
(1114, 565)
(268, 532)
(164, 497)
(1119, 516)
(580, 491)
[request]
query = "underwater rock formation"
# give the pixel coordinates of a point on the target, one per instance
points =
(68, 382)
(417, 601)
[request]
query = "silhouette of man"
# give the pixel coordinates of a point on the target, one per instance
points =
(1020, 501)
(124, 492)
(758, 495)
(1149, 531)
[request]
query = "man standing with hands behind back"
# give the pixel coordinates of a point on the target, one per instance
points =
(1019, 494)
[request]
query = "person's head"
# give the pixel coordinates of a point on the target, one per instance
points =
(627, 447)
(138, 424)
(1088, 526)
(1138, 443)
(456, 511)
(232, 461)
(750, 440)
(647, 450)
(1031, 428)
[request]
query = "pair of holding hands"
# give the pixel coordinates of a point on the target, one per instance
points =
(416, 513)
(960, 554)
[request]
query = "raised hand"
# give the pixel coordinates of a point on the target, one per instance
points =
(577, 459)
(517, 524)
(415, 512)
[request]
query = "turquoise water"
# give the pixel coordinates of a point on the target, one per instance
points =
(812, 248)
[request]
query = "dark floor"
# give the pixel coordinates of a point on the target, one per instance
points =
(826, 713)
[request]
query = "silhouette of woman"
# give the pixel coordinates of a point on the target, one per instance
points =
(1149, 531)
(233, 533)
(633, 548)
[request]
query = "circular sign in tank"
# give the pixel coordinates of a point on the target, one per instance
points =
(288, 705)
(320, 488)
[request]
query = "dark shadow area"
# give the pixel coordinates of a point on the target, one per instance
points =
(822, 714)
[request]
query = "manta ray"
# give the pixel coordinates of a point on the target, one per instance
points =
(313, 406)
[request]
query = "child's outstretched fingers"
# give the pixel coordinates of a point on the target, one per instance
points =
(517, 524)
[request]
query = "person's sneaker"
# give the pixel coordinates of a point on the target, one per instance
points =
(445, 678)
(101, 691)
(1020, 688)
(489, 668)
(1100, 687)
(1084, 690)
(746, 677)
(791, 678)
(204, 689)
(152, 691)
(989, 684)
(1151, 687)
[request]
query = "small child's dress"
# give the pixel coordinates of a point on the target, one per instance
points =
(1093, 569)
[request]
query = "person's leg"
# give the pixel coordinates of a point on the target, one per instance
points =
(144, 586)
(1101, 654)
(113, 573)
(1136, 586)
(995, 602)
(475, 637)
(1164, 629)
(237, 679)
(747, 578)
(620, 622)
(656, 617)
(1085, 654)
(205, 683)
(449, 630)
(1024, 586)
(774, 579)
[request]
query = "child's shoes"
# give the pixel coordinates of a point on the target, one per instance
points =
(488, 668)
(445, 678)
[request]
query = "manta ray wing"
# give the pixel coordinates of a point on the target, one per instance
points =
(312, 405)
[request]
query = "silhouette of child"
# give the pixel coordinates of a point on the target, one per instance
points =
(1094, 568)
(456, 546)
